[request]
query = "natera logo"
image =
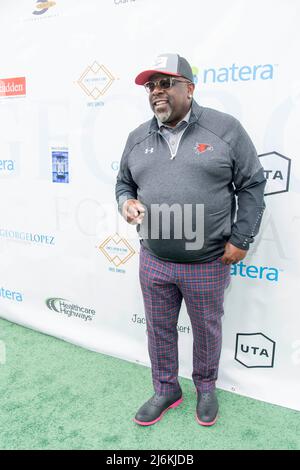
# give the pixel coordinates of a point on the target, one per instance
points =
(255, 272)
(42, 6)
(277, 170)
(195, 71)
(71, 310)
(254, 350)
(12, 87)
(115, 165)
(7, 167)
(11, 295)
(235, 73)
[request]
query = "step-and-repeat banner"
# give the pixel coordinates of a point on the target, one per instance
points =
(68, 263)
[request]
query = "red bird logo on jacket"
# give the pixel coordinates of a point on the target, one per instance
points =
(200, 148)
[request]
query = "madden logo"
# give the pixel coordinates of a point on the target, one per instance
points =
(13, 86)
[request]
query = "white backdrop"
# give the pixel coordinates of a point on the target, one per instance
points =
(68, 265)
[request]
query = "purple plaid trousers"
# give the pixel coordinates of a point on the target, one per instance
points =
(164, 284)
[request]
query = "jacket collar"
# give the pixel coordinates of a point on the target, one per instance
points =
(194, 117)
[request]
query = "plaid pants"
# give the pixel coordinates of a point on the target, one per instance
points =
(164, 284)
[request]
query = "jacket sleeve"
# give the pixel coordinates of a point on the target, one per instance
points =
(249, 183)
(125, 188)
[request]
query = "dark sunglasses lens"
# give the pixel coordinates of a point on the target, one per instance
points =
(150, 86)
(165, 83)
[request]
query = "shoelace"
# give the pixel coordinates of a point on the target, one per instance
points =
(154, 400)
(206, 396)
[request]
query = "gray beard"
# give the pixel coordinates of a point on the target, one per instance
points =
(163, 117)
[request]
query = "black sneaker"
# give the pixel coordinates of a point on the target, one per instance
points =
(154, 409)
(207, 408)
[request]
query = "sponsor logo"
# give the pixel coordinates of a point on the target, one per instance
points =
(160, 62)
(141, 320)
(255, 272)
(42, 6)
(69, 309)
(96, 80)
(122, 2)
(10, 295)
(117, 250)
(200, 148)
(277, 170)
(12, 87)
(7, 167)
(195, 71)
(60, 165)
(115, 165)
(27, 237)
(234, 73)
(254, 350)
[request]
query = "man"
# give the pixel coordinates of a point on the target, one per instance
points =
(180, 175)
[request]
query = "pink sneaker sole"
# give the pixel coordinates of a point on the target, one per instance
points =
(174, 405)
(203, 423)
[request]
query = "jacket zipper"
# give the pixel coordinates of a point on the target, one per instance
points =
(173, 155)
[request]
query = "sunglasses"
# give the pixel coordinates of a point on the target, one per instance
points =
(163, 84)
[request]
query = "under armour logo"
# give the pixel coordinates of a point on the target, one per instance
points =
(147, 150)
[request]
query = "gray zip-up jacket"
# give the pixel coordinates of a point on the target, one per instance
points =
(190, 198)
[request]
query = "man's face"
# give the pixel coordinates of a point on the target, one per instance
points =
(171, 105)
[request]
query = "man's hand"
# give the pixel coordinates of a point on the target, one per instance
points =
(232, 254)
(133, 211)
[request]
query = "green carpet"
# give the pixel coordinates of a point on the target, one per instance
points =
(55, 395)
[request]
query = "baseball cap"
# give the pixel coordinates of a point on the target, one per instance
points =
(169, 64)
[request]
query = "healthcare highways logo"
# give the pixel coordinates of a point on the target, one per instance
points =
(69, 309)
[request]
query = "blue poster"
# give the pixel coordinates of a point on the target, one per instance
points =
(60, 165)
